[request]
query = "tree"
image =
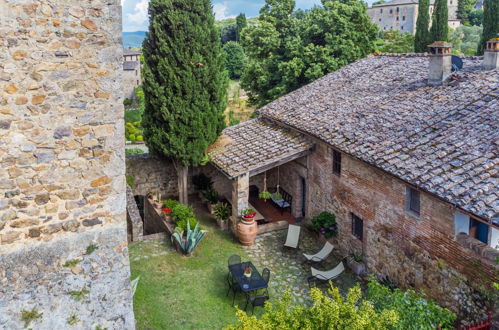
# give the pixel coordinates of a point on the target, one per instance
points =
(185, 83)
(286, 52)
(241, 23)
(464, 8)
(465, 39)
(422, 38)
(333, 312)
(235, 60)
(476, 17)
(490, 23)
(228, 33)
(394, 41)
(440, 21)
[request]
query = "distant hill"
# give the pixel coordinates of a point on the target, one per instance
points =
(133, 39)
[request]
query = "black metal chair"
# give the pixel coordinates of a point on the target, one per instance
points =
(256, 300)
(266, 278)
(231, 281)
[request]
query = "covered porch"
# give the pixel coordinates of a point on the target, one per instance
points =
(260, 156)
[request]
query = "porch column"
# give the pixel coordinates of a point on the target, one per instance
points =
(240, 194)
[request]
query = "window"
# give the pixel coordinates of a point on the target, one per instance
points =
(398, 9)
(380, 19)
(336, 162)
(138, 83)
(381, 10)
(474, 228)
(357, 227)
(403, 18)
(402, 27)
(412, 201)
(391, 11)
(397, 18)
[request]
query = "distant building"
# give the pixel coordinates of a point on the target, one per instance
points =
(132, 77)
(402, 15)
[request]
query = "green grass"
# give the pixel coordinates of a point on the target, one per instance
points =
(175, 292)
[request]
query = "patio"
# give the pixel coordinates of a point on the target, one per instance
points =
(174, 291)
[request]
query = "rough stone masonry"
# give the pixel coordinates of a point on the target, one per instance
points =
(63, 242)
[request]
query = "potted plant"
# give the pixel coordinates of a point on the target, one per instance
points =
(264, 195)
(222, 214)
(247, 272)
(247, 227)
(356, 264)
(167, 214)
(277, 196)
(325, 224)
(212, 198)
(167, 209)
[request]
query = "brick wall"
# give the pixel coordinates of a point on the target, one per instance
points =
(422, 253)
(62, 186)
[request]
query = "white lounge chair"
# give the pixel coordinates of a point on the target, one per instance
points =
(321, 255)
(328, 275)
(293, 236)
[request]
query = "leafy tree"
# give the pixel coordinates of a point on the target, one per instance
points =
(440, 21)
(394, 41)
(422, 38)
(241, 23)
(414, 311)
(286, 52)
(229, 33)
(490, 23)
(185, 83)
(333, 312)
(235, 60)
(379, 2)
(465, 39)
(476, 17)
(464, 8)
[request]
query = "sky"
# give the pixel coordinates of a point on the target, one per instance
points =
(135, 11)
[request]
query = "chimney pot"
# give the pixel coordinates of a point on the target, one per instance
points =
(440, 62)
(491, 54)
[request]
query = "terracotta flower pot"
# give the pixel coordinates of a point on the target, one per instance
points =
(168, 218)
(246, 231)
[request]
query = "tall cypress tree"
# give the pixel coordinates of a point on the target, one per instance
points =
(440, 22)
(241, 23)
(490, 23)
(422, 38)
(185, 83)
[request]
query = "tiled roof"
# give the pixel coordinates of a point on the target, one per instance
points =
(130, 65)
(255, 144)
(444, 140)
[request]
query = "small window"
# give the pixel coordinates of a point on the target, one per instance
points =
(403, 18)
(381, 10)
(380, 19)
(397, 18)
(398, 9)
(357, 227)
(413, 201)
(138, 83)
(402, 27)
(336, 162)
(391, 11)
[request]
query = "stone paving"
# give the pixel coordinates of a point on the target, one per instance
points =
(287, 268)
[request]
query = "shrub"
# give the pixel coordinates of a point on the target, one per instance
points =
(182, 225)
(181, 212)
(325, 223)
(127, 102)
(201, 182)
(140, 138)
(170, 204)
(132, 137)
(222, 211)
(211, 195)
(134, 151)
(415, 312)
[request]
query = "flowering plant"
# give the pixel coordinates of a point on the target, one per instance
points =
(167, 211)
(247, 271)
(249, 213)
(325, 223)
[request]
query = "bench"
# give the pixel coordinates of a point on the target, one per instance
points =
(285, 202)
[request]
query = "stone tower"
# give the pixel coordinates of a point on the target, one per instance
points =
(63, 242)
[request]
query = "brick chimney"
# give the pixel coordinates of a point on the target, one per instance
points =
(491, 54)
(440, 62)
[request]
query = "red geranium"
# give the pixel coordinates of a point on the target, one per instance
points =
(167, 211)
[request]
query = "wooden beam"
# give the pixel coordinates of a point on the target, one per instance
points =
(280, 162)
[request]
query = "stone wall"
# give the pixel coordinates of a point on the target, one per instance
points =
(62, 186)
(421, 253)
(131, 80)
(135, 224)
(152, 174)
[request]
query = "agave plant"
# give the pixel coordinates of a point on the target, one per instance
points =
(192, 238)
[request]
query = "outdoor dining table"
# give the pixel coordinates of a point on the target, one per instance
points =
(247, 284)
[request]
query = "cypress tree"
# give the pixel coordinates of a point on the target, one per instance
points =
(184, 81)
(422, 38)
(440, 22)
(490, 23)
(241, 23)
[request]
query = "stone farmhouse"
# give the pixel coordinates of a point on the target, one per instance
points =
(402, 15)
(132, 76)
(402, 150)
(62, 184)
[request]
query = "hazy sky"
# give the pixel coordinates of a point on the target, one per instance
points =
(135, 11)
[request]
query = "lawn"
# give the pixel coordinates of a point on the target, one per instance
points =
(175, 292)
